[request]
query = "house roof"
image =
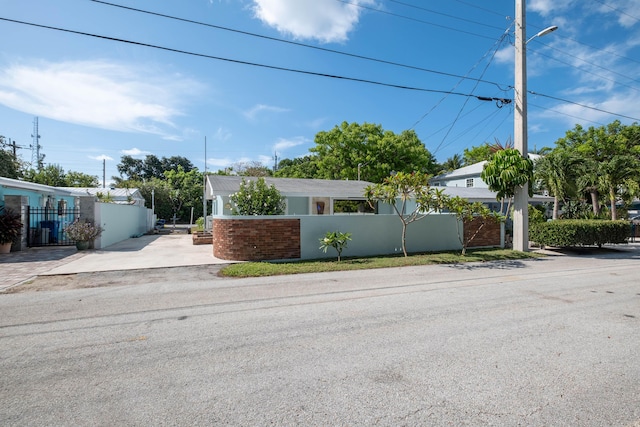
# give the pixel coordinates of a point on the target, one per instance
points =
(471, 170)
(116, 193)
(223, 185)
(31, 186)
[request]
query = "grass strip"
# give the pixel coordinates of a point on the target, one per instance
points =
(266, 268)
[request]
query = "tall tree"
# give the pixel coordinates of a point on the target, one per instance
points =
(301, 167)
(613, 151)
(376, 153)
(454, 162)
(186, 191)
(9, 165)
(557, 173)
(477, 154)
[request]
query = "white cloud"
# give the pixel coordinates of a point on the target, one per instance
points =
(328, 21)
(265, 160)
(135, 152)
(257, 109)
(101, 157)
(97, 94)
(546, 7)
(626, 10)
(219, 163)
(284, 144)
(222, 134)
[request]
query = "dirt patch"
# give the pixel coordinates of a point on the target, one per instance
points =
(118, 278)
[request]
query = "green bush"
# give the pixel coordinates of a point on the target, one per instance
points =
(576, 232)
(256, 198)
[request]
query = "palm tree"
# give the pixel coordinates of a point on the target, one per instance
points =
(454, 162)
(614, 173)
(556, 173)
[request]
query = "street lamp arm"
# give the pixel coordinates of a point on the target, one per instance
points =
(544, 32)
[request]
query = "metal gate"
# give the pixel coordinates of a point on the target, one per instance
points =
(46, 225)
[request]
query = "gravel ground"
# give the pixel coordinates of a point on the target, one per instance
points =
(116, 278)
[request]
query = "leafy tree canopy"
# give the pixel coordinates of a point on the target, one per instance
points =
(55, 176)
(345, 149)
(132, 169)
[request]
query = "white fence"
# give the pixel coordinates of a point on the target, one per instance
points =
(378, 234)
(121, 222)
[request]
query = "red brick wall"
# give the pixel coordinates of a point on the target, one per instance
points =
(489, 235)
(256, 239)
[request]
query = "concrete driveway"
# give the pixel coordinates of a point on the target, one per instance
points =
(149, 251)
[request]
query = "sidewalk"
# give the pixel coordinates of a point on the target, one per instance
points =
(149, 251)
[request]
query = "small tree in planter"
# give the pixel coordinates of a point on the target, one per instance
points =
(336, 240)
(10, 229)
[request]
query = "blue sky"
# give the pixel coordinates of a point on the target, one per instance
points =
(101, 99)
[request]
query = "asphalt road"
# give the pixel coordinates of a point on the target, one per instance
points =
(552, 342)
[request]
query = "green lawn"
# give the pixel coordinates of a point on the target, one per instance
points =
(259, 269)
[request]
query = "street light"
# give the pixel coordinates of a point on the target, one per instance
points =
(521, 196)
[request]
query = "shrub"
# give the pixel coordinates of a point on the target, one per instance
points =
(80, 231)
(10, 226)
(255, 198)
(563, 233)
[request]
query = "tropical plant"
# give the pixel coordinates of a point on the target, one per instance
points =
(404, 187)
(10, 226)
(82, 231)
(506, 171)
(336, 240)
(256, 198)
(557, 173)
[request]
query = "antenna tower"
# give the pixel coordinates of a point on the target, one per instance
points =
(35, 146)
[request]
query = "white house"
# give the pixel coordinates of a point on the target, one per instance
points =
(302, 196)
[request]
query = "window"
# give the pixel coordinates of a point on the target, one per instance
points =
(469, 182)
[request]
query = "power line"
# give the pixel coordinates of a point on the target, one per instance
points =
(254, 64)
(617, 10)
(247, 33)
(445, 14)
(583, 105)
(409, 18)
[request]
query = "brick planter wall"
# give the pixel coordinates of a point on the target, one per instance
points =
(246, 239)
(489, 235)
(202, 238)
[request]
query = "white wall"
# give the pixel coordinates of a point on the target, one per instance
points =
(120, 222)
(378, 234)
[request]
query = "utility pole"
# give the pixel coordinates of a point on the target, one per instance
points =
(104, 173)
(521, 197)
(35, 147)
(204, 189)
(275, 161)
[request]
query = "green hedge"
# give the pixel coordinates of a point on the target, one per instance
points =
(579, 232)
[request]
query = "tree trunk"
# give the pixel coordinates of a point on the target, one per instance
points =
(594, 202)
(404, 238)
(612, 196)
(556, 207)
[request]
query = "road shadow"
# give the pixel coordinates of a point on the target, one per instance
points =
(491, 265)
(629, 251)
(39, 254)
